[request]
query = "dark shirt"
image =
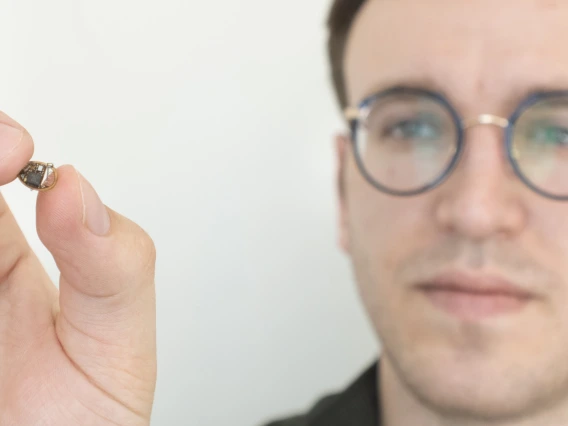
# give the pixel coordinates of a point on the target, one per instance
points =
(357, 405)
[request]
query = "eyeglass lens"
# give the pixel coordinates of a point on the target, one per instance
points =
(408, 141)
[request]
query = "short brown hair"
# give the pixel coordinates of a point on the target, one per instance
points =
(340, 20)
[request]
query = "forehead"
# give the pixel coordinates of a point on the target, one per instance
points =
(477, 52)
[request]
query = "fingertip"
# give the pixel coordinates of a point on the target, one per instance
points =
(16, 151)
(60, 209)
(95, 214)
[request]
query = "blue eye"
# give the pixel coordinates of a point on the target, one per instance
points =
(549, 135)
(414, 129)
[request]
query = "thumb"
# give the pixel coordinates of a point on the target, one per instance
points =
(106, 323)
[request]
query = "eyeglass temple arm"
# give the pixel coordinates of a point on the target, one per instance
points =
(351, 113)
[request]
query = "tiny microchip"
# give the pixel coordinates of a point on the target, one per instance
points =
(38, 176)
(34, 179)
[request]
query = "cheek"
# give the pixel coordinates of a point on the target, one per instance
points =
(552, 225)
(549, 238)
(383, 224)
(384, 231)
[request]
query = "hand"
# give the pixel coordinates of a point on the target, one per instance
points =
(86, 354)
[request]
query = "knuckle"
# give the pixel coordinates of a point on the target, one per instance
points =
(4, 210)
(10, 264)
(147, 250)
(14, 253)
(141, 252)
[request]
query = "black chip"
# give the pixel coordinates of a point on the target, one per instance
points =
(34, 179)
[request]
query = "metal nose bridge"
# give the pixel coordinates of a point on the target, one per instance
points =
(485, 119)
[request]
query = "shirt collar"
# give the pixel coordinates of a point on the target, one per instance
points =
(358, 405)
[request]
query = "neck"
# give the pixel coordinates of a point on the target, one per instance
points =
(400, 407)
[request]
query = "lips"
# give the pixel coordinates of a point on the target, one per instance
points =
(475, 296)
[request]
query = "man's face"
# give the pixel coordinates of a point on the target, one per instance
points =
(484, 356)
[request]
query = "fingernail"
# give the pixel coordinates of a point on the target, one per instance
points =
(10, 138)
(95, 214)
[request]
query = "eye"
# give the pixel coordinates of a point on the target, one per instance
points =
(549, 134)
(415, 129)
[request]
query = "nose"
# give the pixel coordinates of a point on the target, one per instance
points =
(482, 199)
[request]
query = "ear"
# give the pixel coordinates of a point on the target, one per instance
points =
(342, 145)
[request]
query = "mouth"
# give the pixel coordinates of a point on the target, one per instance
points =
(475, 296)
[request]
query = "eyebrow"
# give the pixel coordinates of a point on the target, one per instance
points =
(423, 82)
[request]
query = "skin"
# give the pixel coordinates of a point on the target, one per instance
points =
(485, 56)
(85, 354)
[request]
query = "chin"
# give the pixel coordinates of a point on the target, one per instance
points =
(475, 386)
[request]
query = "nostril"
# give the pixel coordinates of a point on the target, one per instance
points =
(479, 210)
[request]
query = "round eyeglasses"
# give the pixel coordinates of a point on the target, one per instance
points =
(408, 141)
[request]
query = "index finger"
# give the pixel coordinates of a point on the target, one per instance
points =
(16, 148)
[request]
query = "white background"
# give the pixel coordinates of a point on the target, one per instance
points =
(210, 123)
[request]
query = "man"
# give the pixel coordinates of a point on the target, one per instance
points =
(86, 354)
(453, 189)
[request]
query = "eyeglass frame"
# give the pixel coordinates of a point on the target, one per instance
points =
(356, 115)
